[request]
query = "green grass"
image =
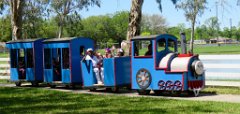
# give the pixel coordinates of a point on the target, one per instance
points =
(233, 49)
(222, 90)
(4, 55)
(37, 100)
(5, 81)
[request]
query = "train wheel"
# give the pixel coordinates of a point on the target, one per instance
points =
(143, 92)
(73, 86)
(178, 86)
(92, 89)
(108, 89)
(115, 89)
(143, 78)
(18, 84)
(169, 85)
(158, 92)
(161, 85)
(35, 84)
(67, 86)
(190, 93)
(52, 86)
(176, 93)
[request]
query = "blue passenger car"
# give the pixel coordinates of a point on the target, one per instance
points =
(26, 61)
(157, 66)
(62, 60)
(117, 73)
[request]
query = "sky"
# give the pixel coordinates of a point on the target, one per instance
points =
(172, 15)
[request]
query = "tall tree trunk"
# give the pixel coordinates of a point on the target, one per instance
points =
(60, 28)
(16, 18)
(135, 18)
(60, 31)
(192, 37)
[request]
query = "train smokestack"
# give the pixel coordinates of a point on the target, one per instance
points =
(183, 43)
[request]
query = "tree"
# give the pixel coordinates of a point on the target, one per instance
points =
(155, 24)
(135, 19)
(5, 28)
(16, 9)
(19, 11)
(65, 7)
(119, 21)
(97, 27)
(192, 8)
(213, 26)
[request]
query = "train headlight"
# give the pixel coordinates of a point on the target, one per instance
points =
(197, 67)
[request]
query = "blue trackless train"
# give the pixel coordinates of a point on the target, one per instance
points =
(154, 64)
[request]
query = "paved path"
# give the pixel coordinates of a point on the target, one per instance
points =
(4, 77)
(201, 97)
(210, 83)
(224, 83)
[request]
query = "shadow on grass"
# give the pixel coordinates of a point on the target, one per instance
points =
(37, 100)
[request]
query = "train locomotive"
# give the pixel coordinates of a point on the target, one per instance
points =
(154, 64)
(162, 68)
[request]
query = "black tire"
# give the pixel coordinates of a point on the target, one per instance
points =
(109, 89)
(92, 89)
(52, 86)
(67, 86)
(73, 86)
(18, 84)
(115, 89)
(158, 92)
(176, 93)
(35, 84)
(143, 92)
(190, 93)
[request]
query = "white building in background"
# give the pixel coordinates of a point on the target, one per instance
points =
(199, 42)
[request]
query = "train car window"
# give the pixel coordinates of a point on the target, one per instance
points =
(161, 45)
(47, 58)
(143, 48)
(13, 58)
(65, 55)
(21, 58)
(171, 45)
(82, 53)
(21, 53)
(30, 58)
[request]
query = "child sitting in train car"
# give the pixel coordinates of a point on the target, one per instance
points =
(108, 53)
(120, 53)
(56, 66)
(21, 69)
(97, 65)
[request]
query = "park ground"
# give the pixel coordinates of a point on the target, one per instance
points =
(46, 100)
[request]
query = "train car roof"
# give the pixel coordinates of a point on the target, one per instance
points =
(23, 40)
(145, 37)
(66, 39)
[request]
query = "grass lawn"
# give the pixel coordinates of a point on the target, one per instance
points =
(233, 49)
(222, 90)
(5, 81)
(4, 55)
(37, 100)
